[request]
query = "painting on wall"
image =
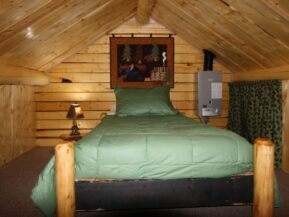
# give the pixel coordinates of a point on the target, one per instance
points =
(141, 61)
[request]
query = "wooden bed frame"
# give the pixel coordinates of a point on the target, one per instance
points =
(107, 194)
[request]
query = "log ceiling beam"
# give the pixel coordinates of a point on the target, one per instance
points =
(18, 75)
(279, 73)
(144, 9)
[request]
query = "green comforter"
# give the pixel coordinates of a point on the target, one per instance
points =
(155, 147)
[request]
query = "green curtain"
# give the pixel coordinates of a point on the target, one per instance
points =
(256, 111)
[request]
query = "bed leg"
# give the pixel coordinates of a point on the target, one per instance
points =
(263, 178)
(64, 176)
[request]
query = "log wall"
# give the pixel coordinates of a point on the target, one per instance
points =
(88, 70)
(17, 117)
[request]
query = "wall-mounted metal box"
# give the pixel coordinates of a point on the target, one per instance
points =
(209, 93)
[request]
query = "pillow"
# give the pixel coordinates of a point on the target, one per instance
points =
(143, 101)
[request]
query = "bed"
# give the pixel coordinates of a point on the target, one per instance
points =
(147, 140)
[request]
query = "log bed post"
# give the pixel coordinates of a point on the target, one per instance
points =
(263, 178)
(65, 192)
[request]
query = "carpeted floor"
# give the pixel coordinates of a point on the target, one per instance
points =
(18, 177)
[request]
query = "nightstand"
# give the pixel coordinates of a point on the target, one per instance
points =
(68, 137)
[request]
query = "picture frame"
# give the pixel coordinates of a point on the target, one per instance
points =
(141, 61)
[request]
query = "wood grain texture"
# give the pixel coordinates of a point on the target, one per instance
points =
(55, 20)
(88, 71)
(267, 19)
(60, 32)
(18, 10)
(18, 115)
(19, 75)
(263, 204)
(23, 119)
(5, 117)
(171, 18)
(144, 9)
(64, 180)
(278, 73)
(24, 23)
(107, 16)
(245, 35)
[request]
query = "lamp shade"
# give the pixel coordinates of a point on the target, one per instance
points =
(75, 111)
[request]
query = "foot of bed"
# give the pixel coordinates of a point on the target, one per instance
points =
(64, 167)
(263, 178)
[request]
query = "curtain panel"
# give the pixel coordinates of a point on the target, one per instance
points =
(255, 110)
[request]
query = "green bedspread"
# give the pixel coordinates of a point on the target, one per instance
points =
(155, 147)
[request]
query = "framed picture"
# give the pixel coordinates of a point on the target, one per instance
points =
(141, 61)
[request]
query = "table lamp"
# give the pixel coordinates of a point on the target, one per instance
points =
(74, 113)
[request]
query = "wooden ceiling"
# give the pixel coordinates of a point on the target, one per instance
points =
(38, 34)
(244, 34)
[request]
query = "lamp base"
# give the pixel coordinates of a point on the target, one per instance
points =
(74, 130)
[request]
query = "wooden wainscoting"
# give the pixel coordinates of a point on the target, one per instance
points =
(17, 117)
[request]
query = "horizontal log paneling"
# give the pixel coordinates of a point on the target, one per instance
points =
(90, 124)
(79, 97)
(186, 77)
(106, 106)
(72, 97)
(65, 124)
(105, 87)
(192, 105)
(195, 67)
(61, 115)
(81, 67)
(126, 25)
(76, 77)
(88, 71)
(105, 77)
(104, 58)
(99, 48)
(56, 133)
(63, 106)
(104, 67)
(75, 87)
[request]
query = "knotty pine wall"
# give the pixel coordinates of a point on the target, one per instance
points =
(89, 72)
(17, 117)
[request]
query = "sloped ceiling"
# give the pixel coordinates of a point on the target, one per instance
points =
(40, 35)
(244, 34)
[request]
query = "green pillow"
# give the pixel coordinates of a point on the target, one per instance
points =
(143, 101)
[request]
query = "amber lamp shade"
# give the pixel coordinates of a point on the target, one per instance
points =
(74, 113)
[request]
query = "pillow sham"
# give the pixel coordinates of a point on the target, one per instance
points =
(143, 101)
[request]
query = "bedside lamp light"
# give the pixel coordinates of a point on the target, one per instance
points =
(74, 113)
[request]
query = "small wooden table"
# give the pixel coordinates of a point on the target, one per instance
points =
(68, 137)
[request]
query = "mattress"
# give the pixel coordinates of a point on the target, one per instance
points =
(150, 147)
